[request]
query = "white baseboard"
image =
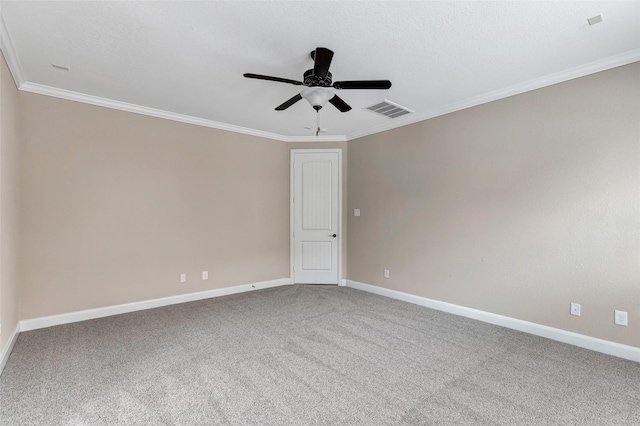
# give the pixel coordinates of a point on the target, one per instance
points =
(49, 321)
(4, 355)
(599, 345)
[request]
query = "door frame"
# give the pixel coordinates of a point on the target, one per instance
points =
(292, 178)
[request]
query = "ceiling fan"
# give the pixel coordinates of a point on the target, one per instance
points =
(317, 81)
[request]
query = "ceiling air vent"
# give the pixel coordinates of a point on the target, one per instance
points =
(389, 109)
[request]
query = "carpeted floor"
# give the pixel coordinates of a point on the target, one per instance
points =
(308, 355)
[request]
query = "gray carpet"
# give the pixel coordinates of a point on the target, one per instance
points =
(308, 355)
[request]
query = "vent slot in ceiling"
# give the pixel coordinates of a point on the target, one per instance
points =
(389, 109)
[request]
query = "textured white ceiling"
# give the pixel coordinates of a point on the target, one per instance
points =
(188, 57)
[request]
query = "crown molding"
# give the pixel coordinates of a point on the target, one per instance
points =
(538, 83)
(167, 115)
(313, 139)
(138, 109)
(6, 45)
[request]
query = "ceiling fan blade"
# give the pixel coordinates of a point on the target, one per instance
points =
(322, 57)
(337, 102)
(288, 103)
(278, 79)
(362, 84)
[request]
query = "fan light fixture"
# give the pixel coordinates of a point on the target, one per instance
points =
(316, 96)
(317, 80)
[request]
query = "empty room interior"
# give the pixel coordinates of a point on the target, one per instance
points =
(319, 213)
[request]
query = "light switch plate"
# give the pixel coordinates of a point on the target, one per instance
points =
(356, 212)
(575, 309)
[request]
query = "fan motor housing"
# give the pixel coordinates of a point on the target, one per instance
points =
(312, 80)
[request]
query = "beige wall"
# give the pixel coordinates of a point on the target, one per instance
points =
(8, 204)
(117, 205)
(345, 160)
(517, 207)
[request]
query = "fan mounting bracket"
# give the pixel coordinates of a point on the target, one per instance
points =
(312, 80)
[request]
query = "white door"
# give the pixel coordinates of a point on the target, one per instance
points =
(316, 216)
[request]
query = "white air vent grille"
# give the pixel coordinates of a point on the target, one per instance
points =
(389, 109)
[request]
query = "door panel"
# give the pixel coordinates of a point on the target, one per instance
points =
(316, 255)
(316, 195)
(316, 217)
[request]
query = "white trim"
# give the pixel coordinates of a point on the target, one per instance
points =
(599, 345)
(43, 322)
(10, 54)
(343, 283)
(292, 215)
(292, 212)
(4, 356)
(537, 83)
(167, 115)
(314, 139)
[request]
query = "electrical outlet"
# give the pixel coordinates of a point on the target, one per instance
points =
(205, 275)
(386, 273)
(356, 212)
(621, 318)
(575, 309)
(183, 278)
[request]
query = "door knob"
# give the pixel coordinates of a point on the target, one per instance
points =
(334, 235)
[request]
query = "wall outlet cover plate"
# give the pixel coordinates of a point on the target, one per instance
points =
(621, 318)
